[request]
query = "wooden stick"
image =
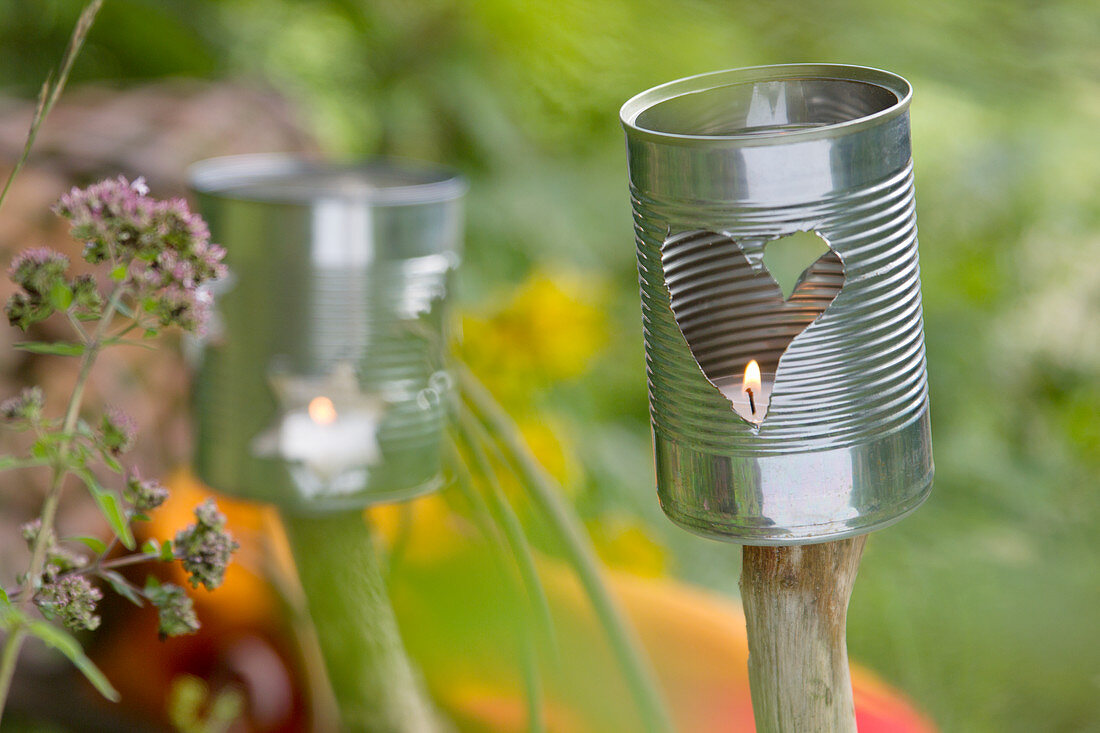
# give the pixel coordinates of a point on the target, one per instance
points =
(375, 685)
(796, 608)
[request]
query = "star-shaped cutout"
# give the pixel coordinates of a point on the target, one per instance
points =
(327, 430)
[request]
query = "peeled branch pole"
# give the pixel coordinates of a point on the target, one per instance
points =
(375, 685)
(796, 608)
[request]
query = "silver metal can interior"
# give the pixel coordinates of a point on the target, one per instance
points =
(320, 385)
(722, 167)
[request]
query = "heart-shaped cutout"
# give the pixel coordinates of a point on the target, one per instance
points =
(732, 312)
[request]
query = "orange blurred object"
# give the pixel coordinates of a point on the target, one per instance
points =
(244, 642)
(695, 639)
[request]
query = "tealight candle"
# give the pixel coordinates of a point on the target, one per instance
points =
(328, 441)
(751, 394)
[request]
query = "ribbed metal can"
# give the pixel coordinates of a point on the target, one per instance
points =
(722, 167)
(320, 385)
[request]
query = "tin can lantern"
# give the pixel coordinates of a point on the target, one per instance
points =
(320, 385)
(792, 407)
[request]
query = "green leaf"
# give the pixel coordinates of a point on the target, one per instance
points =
(10, 616)
(167, 552)
(110, 506)
(43, 449)
(4, 597)
(61, 641)
(60, 348)
(95, 544)
(122, 586)
(61, 295)
(119, 273)
(150, 547)
(112, 510)
(110, 462)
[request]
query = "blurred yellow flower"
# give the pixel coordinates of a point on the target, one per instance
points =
(626, 546)
(425, 529)
(549, 330)
(543, 436)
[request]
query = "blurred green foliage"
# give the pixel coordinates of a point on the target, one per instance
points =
(983, 605)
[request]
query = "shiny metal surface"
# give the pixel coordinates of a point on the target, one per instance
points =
(320, 385)
(721, 165)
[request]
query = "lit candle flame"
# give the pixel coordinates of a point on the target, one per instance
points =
(322, 411)
(750, 385)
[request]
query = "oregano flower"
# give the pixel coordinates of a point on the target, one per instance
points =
(37, 270)
(72, 600)
(86, 297)
(205, 547)
(175, 609)
(144, 494)
(58, 559)
(27, 405)
(158, 260)
(114, 218)
(40, 272)
(161, 248)
(117, 431)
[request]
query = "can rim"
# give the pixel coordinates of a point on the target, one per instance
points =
(647, 100)
(257, 177)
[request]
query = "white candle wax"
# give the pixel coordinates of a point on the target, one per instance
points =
(734, 391)
(349, 440)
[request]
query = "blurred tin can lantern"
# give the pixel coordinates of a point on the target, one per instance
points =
(781, 305)
(320, 383)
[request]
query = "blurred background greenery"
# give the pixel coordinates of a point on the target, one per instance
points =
(985, 605)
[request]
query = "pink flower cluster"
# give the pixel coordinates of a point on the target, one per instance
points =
(164, 247)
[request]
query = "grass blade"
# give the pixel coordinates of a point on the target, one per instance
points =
(578, 550)
(52, 88)
(470, 434)
(464, 480)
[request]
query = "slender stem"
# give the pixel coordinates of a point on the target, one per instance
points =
(50, 92)
(14, 641)
(47, 97)
(96, 567)
(75, 322)
(796, 606)
(107, 550)
(483, 519)
(38, 553)
(471, 433)
(8, 656)
(123, 331)
(72, 412)
(325, 713)
(372, 678)
(135, 559)
(578, 551)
